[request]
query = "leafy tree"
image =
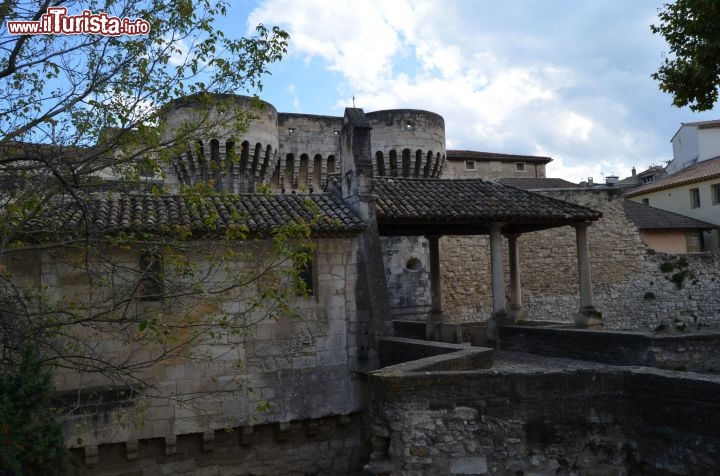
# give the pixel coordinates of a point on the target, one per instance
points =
(692, 71)
(75, 106)
(30, 442)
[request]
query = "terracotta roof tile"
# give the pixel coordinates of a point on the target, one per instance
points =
(149, 213)
(645, 217)
(539, 183)
(478, 155)
(469, 200)
(699, 172)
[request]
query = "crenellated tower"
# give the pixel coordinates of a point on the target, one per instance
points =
(238, 142)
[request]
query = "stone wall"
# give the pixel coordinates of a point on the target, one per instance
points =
(489, 169)
(530, 416)
(326, 446)
(695, 352)
(285, 370)
(630, 289)
(407, 271)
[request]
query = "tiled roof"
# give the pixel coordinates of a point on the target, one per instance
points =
(438, 201)
(477, 155)
(261, 214)
(705, 170)
(646, 217)
(533, 183)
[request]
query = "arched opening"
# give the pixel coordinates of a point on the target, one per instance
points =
(200, 160)
(256, 158)
(436, 166)
(331, 164)
(406, 162)
(230, 154)
(418, 163)
(380, 163)
(316, 168)
(244, 156)
(288, 170)
(428, 164)
(393, 163)
(214, 164)
(266, 162)
(303, 172)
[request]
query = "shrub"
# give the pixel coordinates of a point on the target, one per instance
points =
(31, 440)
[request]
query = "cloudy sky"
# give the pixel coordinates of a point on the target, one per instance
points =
(569, 79)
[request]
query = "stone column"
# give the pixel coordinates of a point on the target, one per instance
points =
(517, 312)
(588, 316)
(498, 277)
(436, 308)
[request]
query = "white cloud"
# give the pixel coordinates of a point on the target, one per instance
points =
(356, 41)
(295, 99)
(527, 78)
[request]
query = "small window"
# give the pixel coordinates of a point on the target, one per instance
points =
(152, 281)
(469, 165)
(693, 241)
(648, 179)
(409, 125)
(413, 264)
(146, 169)
(291, 130)
(520, 166)
(715, 192)
(306, 279)
(694, 198)
(646, 201)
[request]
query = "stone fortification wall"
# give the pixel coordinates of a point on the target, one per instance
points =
(694, 352)
(630, 287)
(326, 446)
(407, 143)
(295, 152)
(285, 370)
(221, 144)
(309, 150)
(530, 415)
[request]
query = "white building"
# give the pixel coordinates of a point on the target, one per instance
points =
(694, 142)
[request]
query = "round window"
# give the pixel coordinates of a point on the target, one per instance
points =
(413, 264)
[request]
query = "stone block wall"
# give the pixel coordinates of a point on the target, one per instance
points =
(695, 352)
(407, 271)
(521, 417)
(630, 289)
(285, 370)
(326, 446)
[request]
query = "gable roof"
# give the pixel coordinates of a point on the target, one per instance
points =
(705, 170)
(477, 155)
(645, 217)
(424, 206)
(536, 183)
(164, 214)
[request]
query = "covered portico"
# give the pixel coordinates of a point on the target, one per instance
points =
(434, 208)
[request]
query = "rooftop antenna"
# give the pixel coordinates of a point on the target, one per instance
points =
(353, 102)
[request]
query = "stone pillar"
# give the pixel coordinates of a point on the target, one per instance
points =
(435, 284)
(436, 308)
(498, 277)
(588, 316)
(517, 312)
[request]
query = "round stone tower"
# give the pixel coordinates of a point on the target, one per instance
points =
(229, 140)
(407, 143)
